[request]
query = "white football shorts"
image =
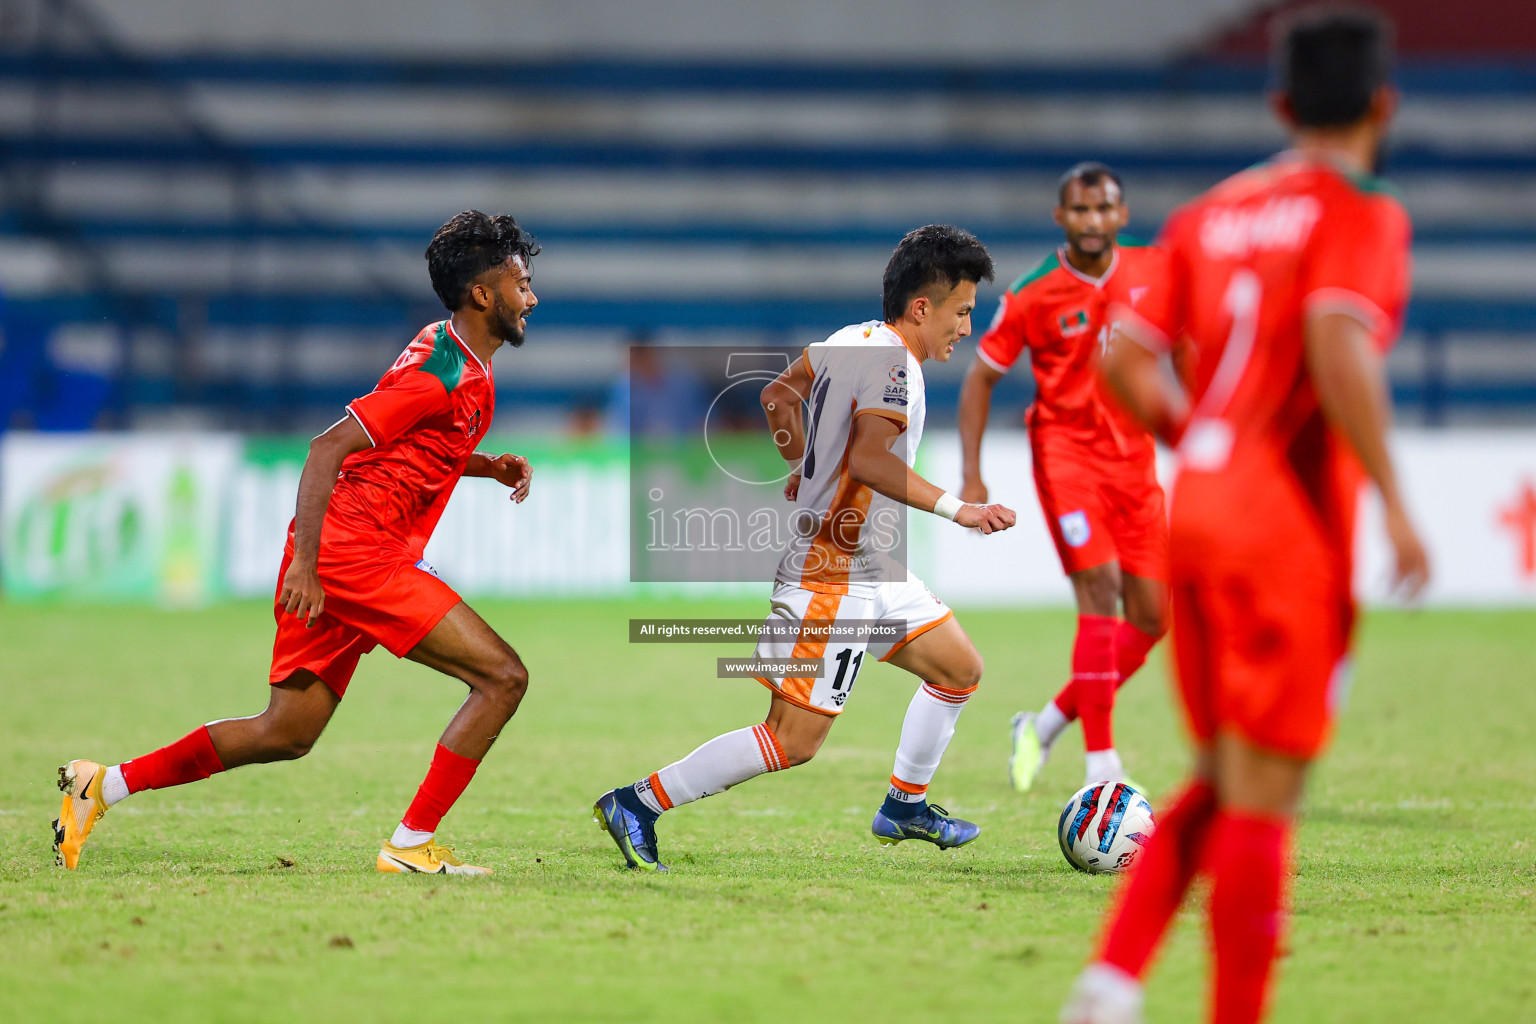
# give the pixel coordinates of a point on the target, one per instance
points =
(908, 609)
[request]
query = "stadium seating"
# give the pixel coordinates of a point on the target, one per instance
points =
(235, 241)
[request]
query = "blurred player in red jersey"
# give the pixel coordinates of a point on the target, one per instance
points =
(1095, 467)
(353, 577)
(1286, 286)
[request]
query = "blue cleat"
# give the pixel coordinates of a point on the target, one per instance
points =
(932, 824)
(633, 831)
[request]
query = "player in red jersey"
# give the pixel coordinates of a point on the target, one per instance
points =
(1286, 286)
(353, 577)
(1095, 467)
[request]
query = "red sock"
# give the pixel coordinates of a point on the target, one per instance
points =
(189, 759)
(1151, 893)
(444, 783)
(1131, 649)
(1248, 869)
(1094, 677)
(1066, 700)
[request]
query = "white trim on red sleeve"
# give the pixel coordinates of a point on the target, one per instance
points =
(1349, 303)
(999, 367)
(366, 432)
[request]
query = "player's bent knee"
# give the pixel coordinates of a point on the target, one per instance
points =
(797, 754)
(963, 674)
(506, 683)
(287, 745)
(1098, 591)
(1154, 623)
(296, 748)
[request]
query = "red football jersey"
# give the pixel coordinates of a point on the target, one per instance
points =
(1262, 476)
(1059, 314)
(425, 418)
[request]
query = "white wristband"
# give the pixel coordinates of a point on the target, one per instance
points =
(948, 506)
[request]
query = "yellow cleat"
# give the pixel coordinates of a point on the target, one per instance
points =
(83, 807)
(1029, 754)
(426, 859)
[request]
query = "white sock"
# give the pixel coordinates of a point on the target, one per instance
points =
(925, 733)
(1049, 723)
(715, 767)
(1104, 766)
(405, 838)
(114, 787)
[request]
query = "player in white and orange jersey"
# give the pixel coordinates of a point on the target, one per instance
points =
(852, 478)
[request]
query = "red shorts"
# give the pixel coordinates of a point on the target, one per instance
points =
(369, 602)
(1101, 510)
(1264, 655)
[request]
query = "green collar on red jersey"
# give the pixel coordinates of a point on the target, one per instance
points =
(1370, 183)
(446, 362)
(1050, 263)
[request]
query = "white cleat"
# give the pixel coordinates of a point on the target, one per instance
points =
(1103, 995)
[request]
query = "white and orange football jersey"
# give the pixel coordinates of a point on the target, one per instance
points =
(842, 531)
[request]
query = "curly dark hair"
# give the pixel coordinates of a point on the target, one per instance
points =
(936, 254)
(470, 244)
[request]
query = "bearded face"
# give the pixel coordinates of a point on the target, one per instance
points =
(508, 323)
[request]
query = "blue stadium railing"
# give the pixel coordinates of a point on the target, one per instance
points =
(1433, 393)
(525, 76)
(1034, 232)
(863, 160)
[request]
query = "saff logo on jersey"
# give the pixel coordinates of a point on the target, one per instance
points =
(1074, 529)
(896, 390)
(1073, 324)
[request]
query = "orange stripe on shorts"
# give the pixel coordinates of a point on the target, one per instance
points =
(823, 608)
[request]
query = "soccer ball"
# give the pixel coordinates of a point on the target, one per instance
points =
(1103, 827)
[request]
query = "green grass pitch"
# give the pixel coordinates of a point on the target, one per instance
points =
(252, 897)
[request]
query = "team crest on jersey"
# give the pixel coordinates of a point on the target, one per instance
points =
(1074, 529)
(896, 390)
(1073, 324)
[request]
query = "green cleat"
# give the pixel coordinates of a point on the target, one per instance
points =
(1029, 754)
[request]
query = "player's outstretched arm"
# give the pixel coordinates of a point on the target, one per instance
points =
(1351, 387)
(302, 594)
(506, 469)
(1131, 371)
(975, 409)
(781, 405)
(872, 463)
